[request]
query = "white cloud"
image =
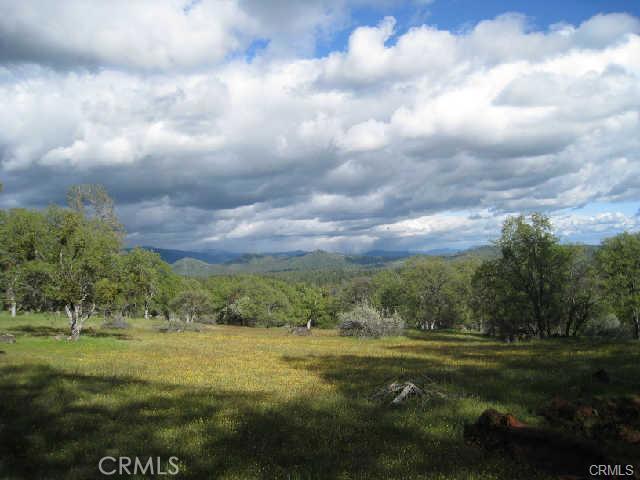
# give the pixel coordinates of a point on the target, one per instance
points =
(374, 145)
(145, 34)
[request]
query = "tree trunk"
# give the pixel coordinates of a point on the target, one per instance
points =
(146, 313)
(309, 325)
(567, 328)
(12, 301)
(636, 325)
(74, 324)
(76, 319)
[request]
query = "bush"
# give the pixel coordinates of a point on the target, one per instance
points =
(116, 322)
(178, 326)
(207, 320)
(607, 326)
(366, 321)
(191, 305)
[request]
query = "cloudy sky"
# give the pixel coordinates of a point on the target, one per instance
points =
(272, 125)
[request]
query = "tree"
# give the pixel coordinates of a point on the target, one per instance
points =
(85, 252)
(33, 290)
(579, 290)
(485, 296)
(356, 291)
(428, 286)
(168, 289)
(461, 290)
(619, 264)
(143, 271)
(109, 296)
(92, 201)
(192, 302)
(311, 306)
(532, 263)
(23, 245)
(389, 292)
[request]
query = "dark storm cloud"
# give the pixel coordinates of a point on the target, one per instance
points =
(426, 140)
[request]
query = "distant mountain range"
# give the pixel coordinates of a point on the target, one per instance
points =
(219, 262)
(253, 263)
(207, 256)
(217, 257)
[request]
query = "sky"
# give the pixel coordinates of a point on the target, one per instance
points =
(261, 126)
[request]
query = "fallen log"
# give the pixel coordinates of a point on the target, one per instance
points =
(409, 389)
(398, 392)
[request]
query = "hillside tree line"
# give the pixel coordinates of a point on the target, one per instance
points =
(71, 259)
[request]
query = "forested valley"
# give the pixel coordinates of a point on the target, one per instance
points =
(71, 261)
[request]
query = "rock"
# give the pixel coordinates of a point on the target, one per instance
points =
(513, 422)
(7, 338)
(547, 450)
(302, 331)
(628, 434)
(601, 376)
(585, 411)
(558, 409)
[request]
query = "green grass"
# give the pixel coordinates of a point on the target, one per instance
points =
(234, 402)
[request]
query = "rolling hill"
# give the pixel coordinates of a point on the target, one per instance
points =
(252, 263)
(217, 262)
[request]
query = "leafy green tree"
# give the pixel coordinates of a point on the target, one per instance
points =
(92, 201)
(389, 293)
(619, 264)
(428, 282)
(191, 302)
(109, 296)
(23, 246)
(312, 308)
(258, 301)
(532, 266)
(34, 286)
(168, 288)
(356, 291)
(143, 271)
(485, 296)
(461, 291)
(85, 252)
(580, 290)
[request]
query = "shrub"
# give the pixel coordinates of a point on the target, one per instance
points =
(178, 326)
(607, 326)
(191, 305)
(116, 322)
(366, 321)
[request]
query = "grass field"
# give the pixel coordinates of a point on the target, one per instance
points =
(233, 402)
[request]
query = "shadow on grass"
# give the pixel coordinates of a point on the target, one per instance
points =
(54, 424)
(446, 335)
(520, 379)
(528, 373)
(46, 331)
